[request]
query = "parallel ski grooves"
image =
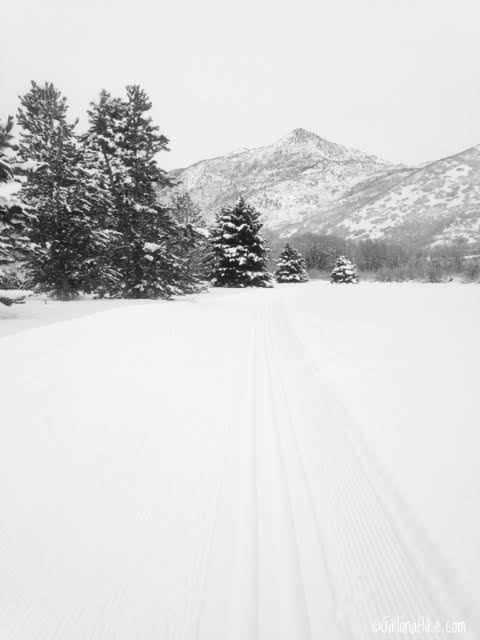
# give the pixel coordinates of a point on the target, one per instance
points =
(378, 577)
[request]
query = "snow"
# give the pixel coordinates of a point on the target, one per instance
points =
(282, 464)
(11, 296)
(39, 311)
(152, 246)
(466, 229)
(9, 191)
(30, 165)
(14, 294)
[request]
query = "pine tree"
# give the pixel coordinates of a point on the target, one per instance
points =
(291, 266)
(344, 271)
(126, 142)
(105, 278)
(238, 253)
(193, 239)
(63, 193)
(14, 220)
(6, 170)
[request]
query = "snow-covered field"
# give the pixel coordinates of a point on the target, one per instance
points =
(285, 464)
(39, 311)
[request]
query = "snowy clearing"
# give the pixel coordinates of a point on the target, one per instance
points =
(37, 312)
(285, 464)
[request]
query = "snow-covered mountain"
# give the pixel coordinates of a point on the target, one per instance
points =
(433, 204)
(290, 181)
(304, 182)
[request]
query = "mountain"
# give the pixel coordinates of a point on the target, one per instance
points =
(433, 204)
(306, 183)
(290, 181)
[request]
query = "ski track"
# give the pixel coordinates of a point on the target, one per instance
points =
(367, 567)
(283, 530)
(375, 576)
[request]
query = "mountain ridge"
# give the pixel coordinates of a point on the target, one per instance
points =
(303, 182)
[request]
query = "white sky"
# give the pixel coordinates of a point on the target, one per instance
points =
(399, 78)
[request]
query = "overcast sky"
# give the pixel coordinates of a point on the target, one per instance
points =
(398, 78)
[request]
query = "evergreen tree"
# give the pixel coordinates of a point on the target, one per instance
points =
(14, 221)
(344, 271)
(6, 171)
(193, 239)
(126, 142)
(291, 266)
(238, 253)
(63, 193)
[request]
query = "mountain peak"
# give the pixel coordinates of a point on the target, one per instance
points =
(300, 134)
(304, 141)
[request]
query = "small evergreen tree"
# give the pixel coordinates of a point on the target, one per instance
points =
(238, 254)
(344, 271)
(14, 221)
(62, 190)
(126, 142)
(291, 266)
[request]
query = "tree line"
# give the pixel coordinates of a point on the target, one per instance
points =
(385, 260)
(87, 217)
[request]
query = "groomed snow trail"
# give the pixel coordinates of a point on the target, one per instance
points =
(189, 471)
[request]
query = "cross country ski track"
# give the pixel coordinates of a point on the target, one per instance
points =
(317, 553)
(255, 513)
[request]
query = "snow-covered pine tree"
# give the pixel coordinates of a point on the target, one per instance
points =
(193, 239)
(14, 220)
(291, 266)
(6, 171)
(127, 142)
(344, 271)
(64, 195)
(238, 253)
(103, 276)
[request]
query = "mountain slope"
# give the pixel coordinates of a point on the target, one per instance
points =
(288, 180)
(439, 202)
(306, 183)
